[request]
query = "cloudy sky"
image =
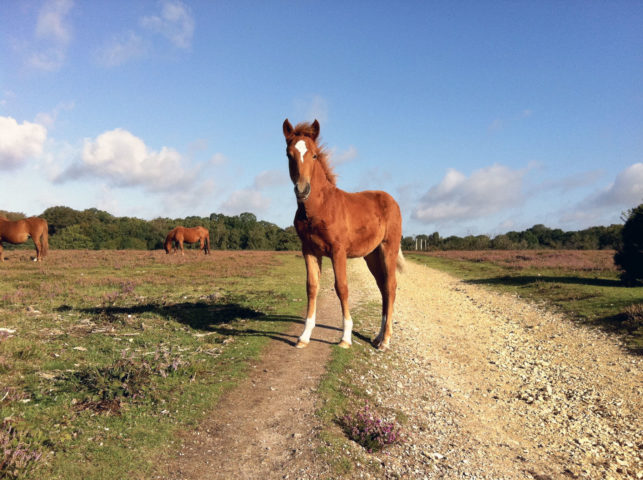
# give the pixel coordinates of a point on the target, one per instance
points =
(479, 117)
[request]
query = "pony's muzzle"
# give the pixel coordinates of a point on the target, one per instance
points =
(302, 191)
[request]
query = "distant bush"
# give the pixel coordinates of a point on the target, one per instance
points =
(629, 256)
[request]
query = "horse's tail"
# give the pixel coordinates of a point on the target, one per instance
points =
(401, 262)
(45, 239)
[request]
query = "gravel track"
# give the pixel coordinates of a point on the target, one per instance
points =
(495, 387)
(492, 388)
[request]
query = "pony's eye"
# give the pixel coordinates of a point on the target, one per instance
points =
(315, 156)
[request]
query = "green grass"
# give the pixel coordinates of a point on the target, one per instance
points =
(340, 394)
(592, 296)
(114, 354)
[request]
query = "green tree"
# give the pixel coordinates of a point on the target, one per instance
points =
(408, 243)
(12, 215)
(60, 218)
(629, 257)
(71, 238)
(501, 242)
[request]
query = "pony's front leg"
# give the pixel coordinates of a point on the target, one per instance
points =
(313, 269)
(341, 287)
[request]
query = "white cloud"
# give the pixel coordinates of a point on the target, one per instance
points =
(175, 22)
(53, 35)
(121, 49)
(218, 159)
(48, 119)
(571, 182)
(271, 178)
(311, 109)
(19, 142)
(245, 200)
(124, 160)
(344, 157)
(626, 190)
(487, 191)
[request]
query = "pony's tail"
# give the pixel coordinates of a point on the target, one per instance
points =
(45, 240)
(401, 262)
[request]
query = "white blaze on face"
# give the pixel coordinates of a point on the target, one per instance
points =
(301, 146)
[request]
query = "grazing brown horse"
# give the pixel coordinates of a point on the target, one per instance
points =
(333, 223)
(18, 231)
(179, 235)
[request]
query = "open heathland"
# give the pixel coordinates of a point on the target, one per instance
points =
(104, 355)
(146, 366)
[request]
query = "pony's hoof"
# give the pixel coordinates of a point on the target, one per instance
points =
(379, 344)
(301, 344)
(344, 344)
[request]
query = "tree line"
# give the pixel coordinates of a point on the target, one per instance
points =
(95, 229)
(538, 236)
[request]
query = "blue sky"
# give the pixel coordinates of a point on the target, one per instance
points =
(478, 117)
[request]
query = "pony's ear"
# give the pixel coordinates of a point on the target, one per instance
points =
(287, 128)
(315, 130)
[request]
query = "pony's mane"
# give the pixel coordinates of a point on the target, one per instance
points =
(305, 129)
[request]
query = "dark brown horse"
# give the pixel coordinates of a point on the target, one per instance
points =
(178, 235)
(333, 223)
(18, 231)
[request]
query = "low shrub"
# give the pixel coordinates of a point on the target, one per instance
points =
(127, 378)
(370, 431)
(17, 458)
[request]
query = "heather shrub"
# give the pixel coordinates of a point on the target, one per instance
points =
(17, 458)
(370, 431)
(629, 256)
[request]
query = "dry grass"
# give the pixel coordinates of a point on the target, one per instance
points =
(582, 260)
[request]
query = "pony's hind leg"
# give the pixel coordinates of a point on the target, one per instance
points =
(341, 287)
(36, 242)
(1, 253)
(382, 265)
(313, 270)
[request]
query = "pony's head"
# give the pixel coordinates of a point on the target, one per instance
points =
(168, 243)
(303, 154)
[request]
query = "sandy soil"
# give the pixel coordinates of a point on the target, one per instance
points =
(492, 388)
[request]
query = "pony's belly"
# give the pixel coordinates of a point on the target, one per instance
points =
(15, 237)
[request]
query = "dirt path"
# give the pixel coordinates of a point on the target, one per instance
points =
(493, 388)
(266, 427)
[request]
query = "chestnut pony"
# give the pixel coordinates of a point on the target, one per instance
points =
(18, 231)
(179, 235)
(333, 223)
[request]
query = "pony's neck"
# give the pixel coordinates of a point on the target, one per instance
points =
(320, 190)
